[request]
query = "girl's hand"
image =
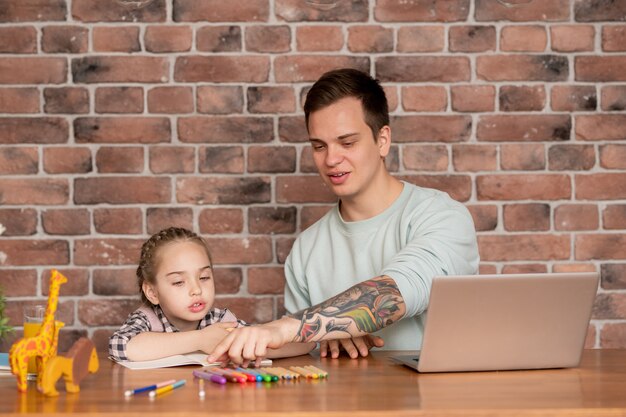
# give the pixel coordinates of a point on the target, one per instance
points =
(210, 336)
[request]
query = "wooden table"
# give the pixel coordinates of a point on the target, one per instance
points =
(372, 386)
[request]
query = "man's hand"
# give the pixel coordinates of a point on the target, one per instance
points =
(247, 344)
(353, 347)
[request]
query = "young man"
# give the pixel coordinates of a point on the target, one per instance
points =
(367, 265)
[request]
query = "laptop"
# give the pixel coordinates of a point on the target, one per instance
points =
(505, 322)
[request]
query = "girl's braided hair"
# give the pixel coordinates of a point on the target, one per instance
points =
(146, 271)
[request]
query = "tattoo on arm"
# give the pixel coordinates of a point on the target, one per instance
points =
(363, 308)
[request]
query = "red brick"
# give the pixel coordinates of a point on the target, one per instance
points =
(34, 252)
(421, 11)
(613, 335)
(123, 221)
(473, 98)
(292, 129)
(613, 156)
(161, 39)
(65, 39)
(572, 38)
(547, 10)
(523, 187)
(18, 40)
(424, 69)
(218, 39)
(614, 216)
(222, 69)
(19, 282)
(35, 191)
(249, 250)
(601, 127)
(122, 190)
(613, 276)
(116, 39)
(522, 68)
(224, 190)
(33, 10)
(93, 252)
(431, 128)
(67, 160)
(522, 98)
(459, 187)
(522, 157)
(391, 91)
(248, 309)
(474, 158)
(121, 129)
(220, 11)
(302, 189)
(600, 246)
(223, 159)
(270, 280)
(70, 100)
(524, 247)
(159, 218)
(271, 159)
(523, 39)
(524, 128)
(268, 39)
(33, 70)
(428, 98)
(425, 157)
(105, 312)
(271, 100)
(524, 269)
(218, 99)
(227, 280)
(309, 214)
(283, 247)
(487, 269)
(344, 11)
(172, 159)
(578, 267)
(594, 11)
(221, 220)
(170, 100)
(319, 38)
(600, 68)
(18, 222)
(485, 217)
(19, 160)
(66, 221)
(272, 220)
(120, 69)
(526, 217)
(609, 306)
(571, 157)
(19, 100)
(118, 281)
(119, 100)
(574, 98)
(100, 338)
(77, 281)
(97, 11)
(308, 68)
(370, 39)
(218, 129)
(572, 217)
(614, 38)
(472, 38)
(613, 97)
(601, 186)
(307, 164)
(421, 39)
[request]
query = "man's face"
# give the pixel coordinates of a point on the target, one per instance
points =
(345, 153)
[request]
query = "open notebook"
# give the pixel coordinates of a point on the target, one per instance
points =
(499, 322)
(177, 360)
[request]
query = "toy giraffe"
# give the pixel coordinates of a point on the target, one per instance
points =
(43, 345)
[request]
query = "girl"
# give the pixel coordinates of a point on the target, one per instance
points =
(175, 277)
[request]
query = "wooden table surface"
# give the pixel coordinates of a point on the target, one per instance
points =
(373, 386)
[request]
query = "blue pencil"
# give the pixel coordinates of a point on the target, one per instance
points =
(152, 387)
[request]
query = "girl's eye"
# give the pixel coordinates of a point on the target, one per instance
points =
(177, 283)
(205, 278)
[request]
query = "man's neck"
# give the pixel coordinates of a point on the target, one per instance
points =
(377, 198)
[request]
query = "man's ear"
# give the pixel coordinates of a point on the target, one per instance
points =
(384, 140)
(151, 294)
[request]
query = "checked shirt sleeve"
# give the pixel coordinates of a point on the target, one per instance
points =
(136, 323)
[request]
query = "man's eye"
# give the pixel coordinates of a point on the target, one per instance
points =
(348, 144)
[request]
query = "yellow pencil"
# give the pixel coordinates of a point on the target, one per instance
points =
(167, 388)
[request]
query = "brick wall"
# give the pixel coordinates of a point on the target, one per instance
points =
(119, 118)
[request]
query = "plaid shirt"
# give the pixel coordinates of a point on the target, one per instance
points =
(138, 322)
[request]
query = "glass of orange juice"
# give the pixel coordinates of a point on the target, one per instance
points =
(33, 317)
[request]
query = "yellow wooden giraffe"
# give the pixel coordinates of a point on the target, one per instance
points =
(43, 345)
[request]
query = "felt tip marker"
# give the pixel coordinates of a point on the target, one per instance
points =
(218, 379)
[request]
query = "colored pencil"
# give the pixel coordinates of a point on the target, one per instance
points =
(167, 388)
(152, 387)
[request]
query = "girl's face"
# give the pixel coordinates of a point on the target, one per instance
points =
(184, 285)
